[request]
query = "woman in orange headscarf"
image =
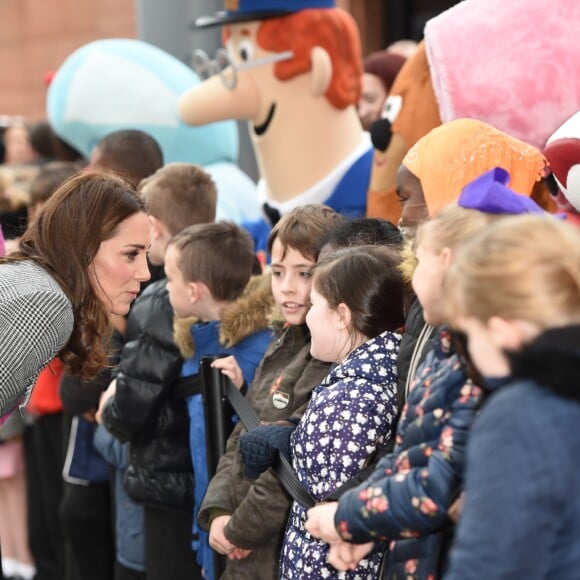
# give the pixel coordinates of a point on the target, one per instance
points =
(433, 173)
(444, 161)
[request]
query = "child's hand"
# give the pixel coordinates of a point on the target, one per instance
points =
(230, 367)
(239, 554)
(456, 508)
(259, 448)
(105, 396)
(217, 537)
(320, 522)
(346, 556)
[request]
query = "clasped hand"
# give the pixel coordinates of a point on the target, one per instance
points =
(342, 555)
(219, 542)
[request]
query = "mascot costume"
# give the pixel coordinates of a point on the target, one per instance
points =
(563, 153)
(508, 64)
(293, 70)
(114, 84)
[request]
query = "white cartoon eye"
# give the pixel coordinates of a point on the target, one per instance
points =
(392, 108)
(246, 50)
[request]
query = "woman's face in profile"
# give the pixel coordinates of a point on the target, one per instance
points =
(120, 265)
(414, 208)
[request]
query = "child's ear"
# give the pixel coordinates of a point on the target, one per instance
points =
(156, 228)
(195, 292)
(446, 257)
(507, 334)
(344, 316)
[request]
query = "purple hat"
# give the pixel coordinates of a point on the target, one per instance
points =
(246, 10)
(489, 193)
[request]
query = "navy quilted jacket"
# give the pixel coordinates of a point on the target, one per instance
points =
(405, 500)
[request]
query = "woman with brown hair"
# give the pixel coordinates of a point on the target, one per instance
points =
(82, 259)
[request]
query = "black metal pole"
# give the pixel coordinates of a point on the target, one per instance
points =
(218, 426)
(218, 413)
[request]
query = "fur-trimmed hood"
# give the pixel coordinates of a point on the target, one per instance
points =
(408, 263)
(251, 312)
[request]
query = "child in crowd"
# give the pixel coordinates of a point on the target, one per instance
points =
(406, 499)
(49, 177)
(246, 518)
(130, 153)
(129, 516)
(362, 232)
(356, 316)
(86, 511)
(208, 268)
(144, 405)
(514, 290)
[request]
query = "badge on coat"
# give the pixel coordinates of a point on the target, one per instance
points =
(280, 400)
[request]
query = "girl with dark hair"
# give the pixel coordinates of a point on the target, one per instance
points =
(357, 313)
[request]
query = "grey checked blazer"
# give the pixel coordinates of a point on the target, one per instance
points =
(36, 321)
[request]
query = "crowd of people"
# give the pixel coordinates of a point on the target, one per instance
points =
(416, 379)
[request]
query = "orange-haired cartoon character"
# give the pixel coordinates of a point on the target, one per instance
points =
(292, 69)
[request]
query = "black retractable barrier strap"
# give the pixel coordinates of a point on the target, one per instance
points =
(282, 468)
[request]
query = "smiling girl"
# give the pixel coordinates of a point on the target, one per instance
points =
(357, 312)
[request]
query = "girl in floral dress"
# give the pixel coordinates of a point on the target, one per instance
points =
(356, 315)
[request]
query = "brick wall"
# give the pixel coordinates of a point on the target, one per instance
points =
(36, 36)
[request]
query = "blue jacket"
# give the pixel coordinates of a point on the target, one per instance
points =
(245, 333)
(405, 500)
(521, 516)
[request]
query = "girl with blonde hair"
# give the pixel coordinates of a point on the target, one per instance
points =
(514, 290)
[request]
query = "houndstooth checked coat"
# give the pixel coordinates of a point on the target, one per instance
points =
(36, 321)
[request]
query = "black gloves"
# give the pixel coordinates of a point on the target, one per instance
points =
(260, 447)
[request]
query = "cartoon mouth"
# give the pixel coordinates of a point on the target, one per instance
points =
(261, 129)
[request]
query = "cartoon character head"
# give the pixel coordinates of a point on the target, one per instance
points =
(410, 112)
(507, 64)
(563, 153)
(292, 69)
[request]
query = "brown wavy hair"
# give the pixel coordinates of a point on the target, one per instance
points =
(64, 239)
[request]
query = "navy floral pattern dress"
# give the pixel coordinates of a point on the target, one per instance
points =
(349, 416)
